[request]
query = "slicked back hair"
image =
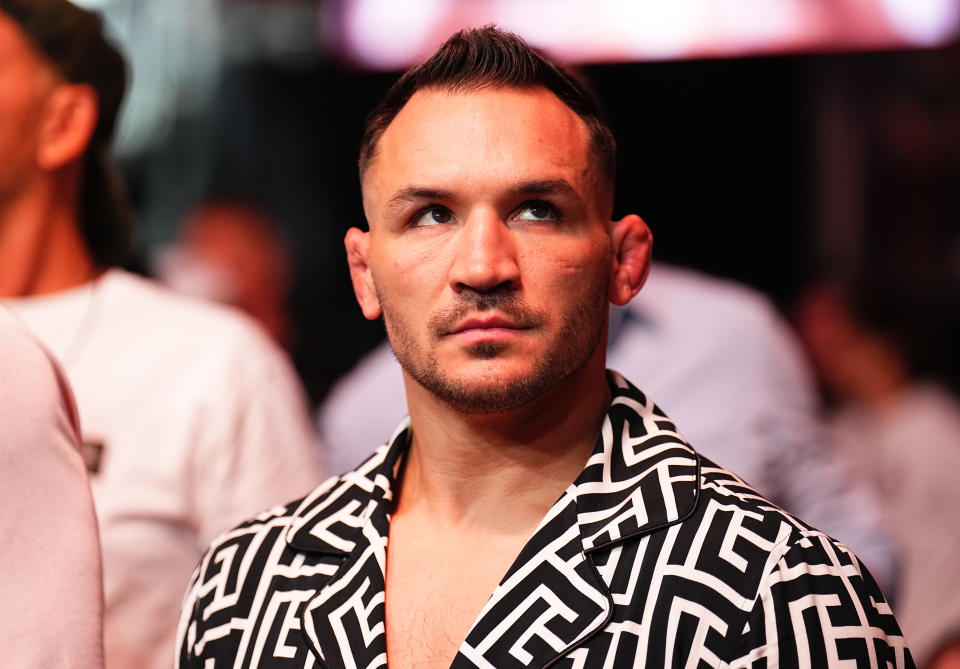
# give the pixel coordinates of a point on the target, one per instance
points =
(489, 58)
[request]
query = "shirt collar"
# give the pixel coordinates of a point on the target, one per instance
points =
(642, 476)
(330, 518)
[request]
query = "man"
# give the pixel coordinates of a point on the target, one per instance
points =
(191, 418)
(535, 509)
(50, 600)
(722, 363)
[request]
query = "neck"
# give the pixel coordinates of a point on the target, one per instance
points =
(502, 471)
(41, 247)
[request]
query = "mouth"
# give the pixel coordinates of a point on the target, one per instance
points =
(487, 328)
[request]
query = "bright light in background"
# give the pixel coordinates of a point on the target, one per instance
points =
(173, 53)
(397, 28)
(664, 28)
(177, 51)
(385, 34)
(925, 23)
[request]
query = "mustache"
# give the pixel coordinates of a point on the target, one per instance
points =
(469, 302)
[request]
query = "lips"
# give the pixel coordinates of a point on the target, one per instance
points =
(492, 322)
(487, 317)
(486, 330)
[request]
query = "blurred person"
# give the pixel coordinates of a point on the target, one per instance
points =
(902, 432)
(192, 418)
(51, 599)
(229, 251)
(722, 363)
(535, 509)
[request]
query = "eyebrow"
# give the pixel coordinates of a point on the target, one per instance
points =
(543, 187)
(416, 194)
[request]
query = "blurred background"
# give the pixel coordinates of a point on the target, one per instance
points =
(776, 142)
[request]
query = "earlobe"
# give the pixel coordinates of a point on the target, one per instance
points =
(632, 246)
(357, 243)
(69, 121)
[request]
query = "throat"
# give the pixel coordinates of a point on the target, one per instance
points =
(470, 494)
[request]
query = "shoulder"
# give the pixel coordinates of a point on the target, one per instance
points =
(731, 505)
(701, 323)
(751, 524)
(681, 297)
(158, 303)
(270, 560)
(179, 329)
(152, 304)
(721, 488)
(33, 388)
(20, 350)
(46, 502)
(294, 524)
(224, 602)
(802, 592)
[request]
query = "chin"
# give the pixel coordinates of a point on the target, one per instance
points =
(490, 387)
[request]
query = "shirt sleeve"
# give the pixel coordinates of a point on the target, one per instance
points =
(51, 597)
(820, 607)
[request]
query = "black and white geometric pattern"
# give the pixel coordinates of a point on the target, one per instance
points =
(653, 557)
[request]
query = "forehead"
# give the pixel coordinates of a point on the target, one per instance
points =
(444, 138)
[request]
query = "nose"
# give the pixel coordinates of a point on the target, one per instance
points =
(486, 255)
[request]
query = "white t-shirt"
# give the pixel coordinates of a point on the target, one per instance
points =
(51, 598)
(192, 420)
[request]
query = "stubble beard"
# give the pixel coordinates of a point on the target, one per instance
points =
(567, 353)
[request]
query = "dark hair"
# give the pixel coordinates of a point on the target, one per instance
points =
(489, 57)
(72, 40)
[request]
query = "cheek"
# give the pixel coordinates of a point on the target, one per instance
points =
(407, 274)
(572, 268)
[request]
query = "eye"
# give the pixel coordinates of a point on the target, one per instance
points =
(432, 215)
(536, 211)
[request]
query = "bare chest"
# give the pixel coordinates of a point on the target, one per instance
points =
(434, 595)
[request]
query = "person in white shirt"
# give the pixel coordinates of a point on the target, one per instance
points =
(192, 418)
(51, 599)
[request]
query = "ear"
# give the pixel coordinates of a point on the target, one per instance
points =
(69, 120)
(632, 245)
(357, 243)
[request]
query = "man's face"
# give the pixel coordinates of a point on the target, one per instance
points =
(25, 81)
(489, 247)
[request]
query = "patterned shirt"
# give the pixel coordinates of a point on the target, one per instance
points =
(653, 557)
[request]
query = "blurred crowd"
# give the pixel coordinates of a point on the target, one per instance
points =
(155, 394)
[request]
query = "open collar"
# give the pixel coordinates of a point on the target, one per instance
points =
(330, 520)
(641, 476)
